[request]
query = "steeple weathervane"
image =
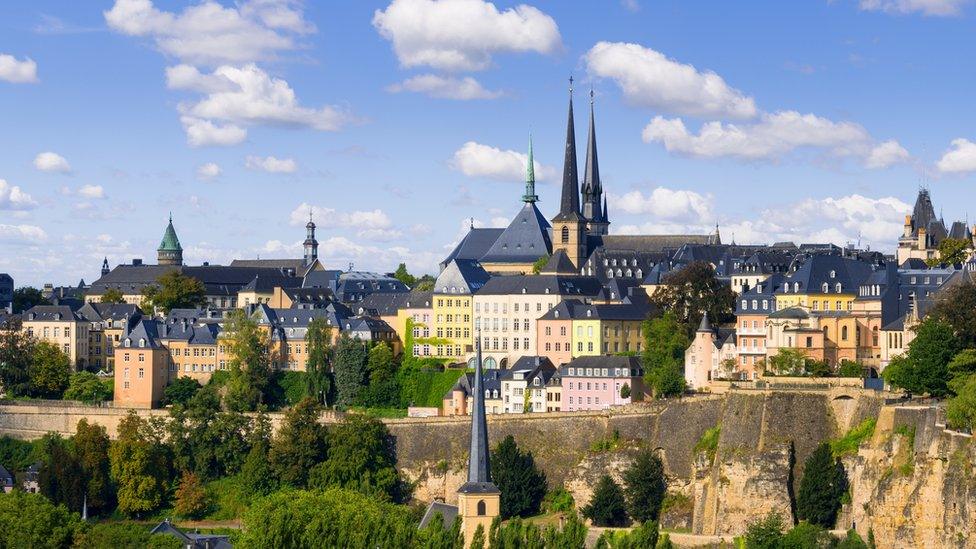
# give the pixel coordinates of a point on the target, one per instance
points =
(530, 195)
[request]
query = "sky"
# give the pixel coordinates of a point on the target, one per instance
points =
(395, 123)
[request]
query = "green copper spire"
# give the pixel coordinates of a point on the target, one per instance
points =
(530, 195)
(170, 242)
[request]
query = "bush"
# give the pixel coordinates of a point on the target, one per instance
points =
(708, 442)
(849, 368)
(559, 500)
(425, 384)
(852, 541)
(852, 440)
(607, 506)
(181, 390)
(122, 534)
(286, 389)
(765, 533)
(807, 536)
(87, 387)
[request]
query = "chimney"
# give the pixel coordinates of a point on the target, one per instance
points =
(137, 262)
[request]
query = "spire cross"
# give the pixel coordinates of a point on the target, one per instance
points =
(591, 95)
(570, 84)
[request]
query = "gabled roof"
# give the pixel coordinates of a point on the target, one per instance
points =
(559, 263)
(461, 276)
(146, 329)
(829, 269)
(51, 313)
(525, 240)
(585, 286)
(447, 512)
(474, 245)
(604, 361)
(573, 309)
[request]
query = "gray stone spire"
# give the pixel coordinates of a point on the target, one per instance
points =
(569, 204)
(592, 188)
(479, 469)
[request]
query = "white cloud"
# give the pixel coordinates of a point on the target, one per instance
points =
(203, 133)
(477, 160)
(209, 170)
(941, 8)
(960, 158)
(649, 78)
(13, 198)
(632, 6)
(463, 34)
(271, 164)
(368, 224)
(666, 204)
(208, 33)
(91, 191)
(18, 72)
(773, 136)
(21, 234)
(244, 96)
(445, 87)
(51, 162)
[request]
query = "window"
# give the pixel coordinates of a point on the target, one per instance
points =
(843, 333)
(565, 234)
(482, 511)
(142, 372)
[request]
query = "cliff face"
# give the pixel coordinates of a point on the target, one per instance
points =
(914, 483)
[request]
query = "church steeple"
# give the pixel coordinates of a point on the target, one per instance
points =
(169, 252)
(530, 195)
(569, 205)
(105, 268)
(593, 210)
(310, 245)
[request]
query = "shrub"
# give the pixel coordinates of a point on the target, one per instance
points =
(607, 506)
(765, 533)
(87, 387)
(559, 500)
(852, 440)
(181, 390)
(708, 442)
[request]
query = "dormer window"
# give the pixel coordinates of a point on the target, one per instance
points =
(838, 287)
(796, 287)
(825, 287)
(142, 342)
(833, 274)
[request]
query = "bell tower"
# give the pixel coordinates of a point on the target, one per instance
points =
(310, 245)
(569, 226)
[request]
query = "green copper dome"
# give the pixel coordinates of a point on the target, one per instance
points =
(170, 242)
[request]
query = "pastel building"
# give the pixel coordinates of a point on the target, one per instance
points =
(752, 308)
(61, 326)
(525, 385)
(597, 382)
(573, 329)
(708, 356)
(141, 371)
(452, 309)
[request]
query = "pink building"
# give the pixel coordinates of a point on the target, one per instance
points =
(599, 382)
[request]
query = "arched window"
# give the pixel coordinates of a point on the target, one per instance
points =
(490, 363)
(609, 273)
(825, 287)
(874, 336)
(630, 273)
(838, 287)
(843, 333)
(640, 274)
(565, 234)
(482, 511)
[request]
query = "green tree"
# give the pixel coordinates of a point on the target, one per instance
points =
(26, 297)
(961, 409)
(952, 251)
(665, 341)
(692, 291)
(174, 290)
(425, 283)
(807, 536)
(16, 352)
(852, 541)
(181, 390)
(956, 306)
(112, 295)
(301, 443)
(319, 360)
(90, 448)
(361, 457)
(765, 533)
(30, 520)
(522, 484)
(962, 365)
(849, 368)
(625, 390)
(402, 275)
(645, 486)
(787, 362)
(540, 264)
(49, 371)
(817, 368)
(250, 364)
(122, 534)
(61, 479)
(87, 387)
(924, 368)
(139, 466)
(350, 370)
(824, 484)
(607, 506)
(191, 497)
(257, 477)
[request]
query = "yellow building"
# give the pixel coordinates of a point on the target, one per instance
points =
(59, 325)
(573, 329)
(108, 323)
(452, 309)
(141, 372)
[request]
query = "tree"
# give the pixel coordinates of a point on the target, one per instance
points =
(16, 353)
(402, 275)
(139, 466)
(350, 370)
(122, 534)
(645, 486)
(30, 520)
(425, 283)
(625, 390)
(852, 541)
(956, 306)
(952, 251)
(849, 368)
(787, 362)
(87, 387)
(175, 290)
(522, 484)
(924, 368)
(665, 342)
(301, 443)
(961, 409)
(319, 360)
(112, 295)
(361, 457)
(257, 477)
(807, 536)
(607, 506)
(962, 365)
(61, 479)
(26, 297)
(824, 484)
(540, 264)
(191, 497)
(765, 533)
(250, 364)
(692, 291)
(90, 446)
(49, 371)
(181, 390)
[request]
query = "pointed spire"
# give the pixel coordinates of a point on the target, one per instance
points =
(591, 175)
(569, 205)
(530, 195)
(606, 216)
(479, 470)
(705, 326)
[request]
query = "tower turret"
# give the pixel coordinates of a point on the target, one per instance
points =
(568, 226)
(105, 269)
(169, 252)
(310, 245)
(530, 195)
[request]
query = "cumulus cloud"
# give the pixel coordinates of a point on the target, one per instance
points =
(368, 224)
(21, 234)
(13, 198)
(463, 35)
(940, 8)
(208, 33)
(204, 133)
(443, 87)
(960, 158)
(270, 164)
(772, 136)
(51, 162)
(17, 72)
(666, 204)
(207, 171)
(477, 160)
(649, 78)
(91, 191)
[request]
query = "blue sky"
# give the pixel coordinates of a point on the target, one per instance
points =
(396, 122)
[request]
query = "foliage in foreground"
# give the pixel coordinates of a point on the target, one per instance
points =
(522, 484)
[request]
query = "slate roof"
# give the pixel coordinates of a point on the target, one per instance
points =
(218, 280)
(296, 266)
(51, 313)
(765, 291)
(447, 512)
(960, 230)
(530, 367)
(354, 286)
(474, 245)
(525, 240)
(559, 263)
(193, 334)
(628, 364)
(586, 286)
(461, 276)
(193, 540)
(817, 270)
(572, 309)
(790, 312)
(268, 282)
(321, 279)
(366, 324)
(653, 243)
(310, 298)
(146, 329)
(390, 304)
(6, 479)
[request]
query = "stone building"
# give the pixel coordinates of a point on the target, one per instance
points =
(61, 326)
(601, 382)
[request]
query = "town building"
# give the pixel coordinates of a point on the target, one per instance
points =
(108, 322)
(141, 369)
(752, 307)
(574, 328)
(601, 382)
(711, 355)
(525, 385)
(61, 326)
(6, 293)
(459, 399)
(452, 310)
(923, 231)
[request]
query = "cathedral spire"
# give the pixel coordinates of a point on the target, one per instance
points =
(530, 195)
(479, 469)
(569, 206)
(592, 188)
